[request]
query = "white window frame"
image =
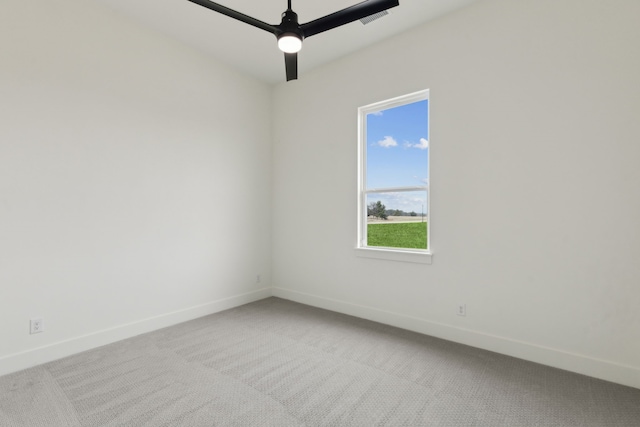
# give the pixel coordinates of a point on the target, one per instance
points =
(394, 254)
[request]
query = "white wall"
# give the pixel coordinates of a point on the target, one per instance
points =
(132, 172)
(535, 209)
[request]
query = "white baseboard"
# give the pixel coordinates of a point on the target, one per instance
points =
(29, 358)
(603, 369)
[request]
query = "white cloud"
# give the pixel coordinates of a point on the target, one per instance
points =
(422, 145)
(387, 142)
(376, 113)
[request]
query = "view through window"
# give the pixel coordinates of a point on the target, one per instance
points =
(394, 173)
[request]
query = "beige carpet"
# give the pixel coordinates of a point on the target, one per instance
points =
(278, 363)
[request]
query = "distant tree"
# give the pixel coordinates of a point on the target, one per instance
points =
(413, 213)
(371, 207)
(398, 212)
(381, 210)
(377, 209)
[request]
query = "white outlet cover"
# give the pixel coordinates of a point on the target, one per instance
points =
(462, 309)
(37, 325)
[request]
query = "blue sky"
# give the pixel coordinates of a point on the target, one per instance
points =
(397, 154)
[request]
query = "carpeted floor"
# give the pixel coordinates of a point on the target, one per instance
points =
(279, 363)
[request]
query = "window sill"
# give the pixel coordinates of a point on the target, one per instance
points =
(403, 255)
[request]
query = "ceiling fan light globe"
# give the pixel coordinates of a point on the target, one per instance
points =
(289, 43)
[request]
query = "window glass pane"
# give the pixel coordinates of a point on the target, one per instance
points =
(397, 219)
(397, 146)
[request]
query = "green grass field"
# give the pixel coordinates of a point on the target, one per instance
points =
(399, 235)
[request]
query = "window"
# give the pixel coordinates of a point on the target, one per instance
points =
(393, 190)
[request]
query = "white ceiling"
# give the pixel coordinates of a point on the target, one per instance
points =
(254, 51)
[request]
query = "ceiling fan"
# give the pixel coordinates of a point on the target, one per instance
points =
(290, 33)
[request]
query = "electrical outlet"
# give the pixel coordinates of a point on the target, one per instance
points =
(37, 325)
(462, 310)
(258, 278)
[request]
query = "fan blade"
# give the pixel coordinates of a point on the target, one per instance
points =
(291, 65)
(237, 15)
(345, 16)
